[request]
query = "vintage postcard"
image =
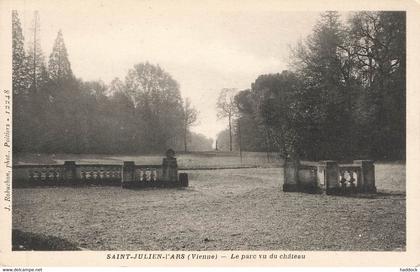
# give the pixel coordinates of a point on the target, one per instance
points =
(235, 133)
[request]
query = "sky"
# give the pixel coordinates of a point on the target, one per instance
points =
(204, 48)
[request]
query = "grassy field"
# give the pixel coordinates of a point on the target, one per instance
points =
(231, 209)
(185, 160)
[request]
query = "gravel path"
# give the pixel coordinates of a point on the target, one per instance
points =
(240, 209)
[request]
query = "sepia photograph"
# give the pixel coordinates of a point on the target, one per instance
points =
(116, 148)
(147, 127)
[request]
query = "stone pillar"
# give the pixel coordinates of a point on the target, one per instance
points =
(331, 177)
(367, 176)
(170, 168)
(70, 172)
(183, 179)
(291, 177)
(127, 174)
(320, 178)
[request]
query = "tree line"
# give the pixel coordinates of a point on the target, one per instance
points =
(343, 98)
(55, 112)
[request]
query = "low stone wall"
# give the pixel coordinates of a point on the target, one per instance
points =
(165, 175)
(128, 175)
(330, 177)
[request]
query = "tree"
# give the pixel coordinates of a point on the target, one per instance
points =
(37, 79)
(36, 61)
(352, 101)
(226, 108)
(279, 111)
(20, 85)
(19, 68)
(116, 86)
(97, 125)
(190, 119)
(326, 100)
(378, 39)
(66, 105)
(223, 141)
(59, 65)
(253, 132)
(158, 106)
(125, 126)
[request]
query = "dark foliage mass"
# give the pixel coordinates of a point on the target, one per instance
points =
(345, 98)
(54, 112)
(33, 241)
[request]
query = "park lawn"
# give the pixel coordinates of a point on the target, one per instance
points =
(232, 209)
(211, 159)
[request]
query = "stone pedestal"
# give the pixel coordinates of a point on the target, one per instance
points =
(183, 179)
(331, 177)
(170, 170)
(70, 172)
(367, 177)
(291, 177)
(127, 174)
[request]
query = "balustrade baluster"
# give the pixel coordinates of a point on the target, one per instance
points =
(352, 179)
(152, 176)
(139, 175)
(43, 175)
(36, 175)
(342, 182)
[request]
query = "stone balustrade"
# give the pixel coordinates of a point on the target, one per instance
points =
(330, 177)
(127, 175)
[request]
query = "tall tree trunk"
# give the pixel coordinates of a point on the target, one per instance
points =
(240, 138)
(185, 138)
(230, 132)
(267, 146)
(34, 79)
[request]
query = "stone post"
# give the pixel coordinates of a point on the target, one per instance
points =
(183, 179)
(320, 178)
(331, 177)
(127, 174)
(291, 178)
(70, 172)
(367, 176)
(170, 168)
